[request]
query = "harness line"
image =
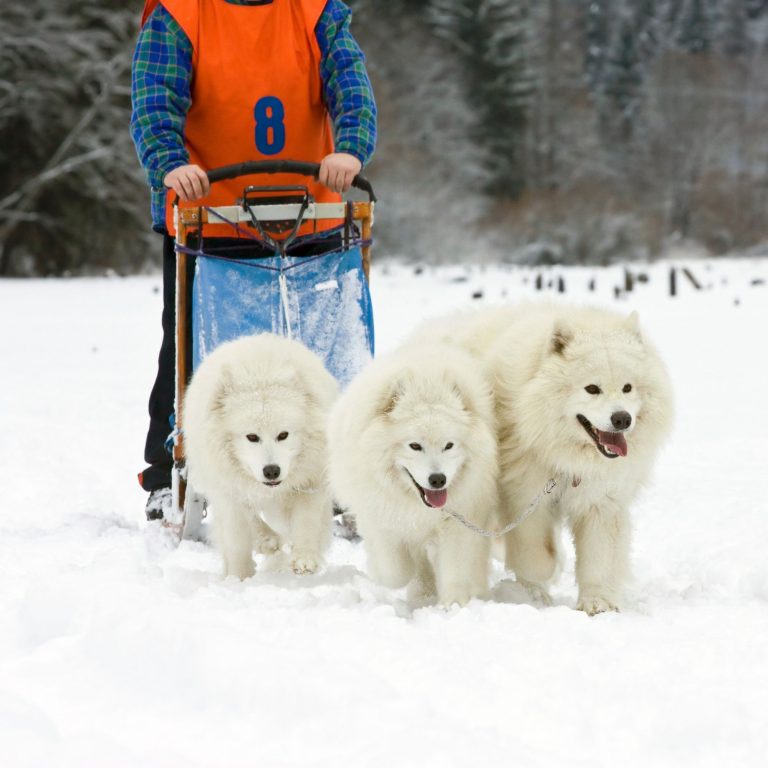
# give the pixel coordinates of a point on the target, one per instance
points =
(529, 510)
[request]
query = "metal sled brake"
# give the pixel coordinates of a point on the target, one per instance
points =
(321, 298)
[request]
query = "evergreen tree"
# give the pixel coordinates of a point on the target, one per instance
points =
(493, 39)
(597, 36)
(622, 82)
(756, 8)
(649, 27)
(732, 33)
(694, 33)
(671, 11)
(71, 193)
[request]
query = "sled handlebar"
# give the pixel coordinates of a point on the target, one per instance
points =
(281, 166)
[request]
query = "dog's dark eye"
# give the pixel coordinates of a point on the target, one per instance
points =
(448, 446)
(627, 388)
(282, 436)
(415, 447)
(593, 389)
(253, 438)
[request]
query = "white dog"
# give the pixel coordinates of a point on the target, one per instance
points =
(581, 398)
(254, 429)
(412, 436)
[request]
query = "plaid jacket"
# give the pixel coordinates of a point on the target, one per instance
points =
(161, 94)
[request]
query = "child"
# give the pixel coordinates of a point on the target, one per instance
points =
(216, 82)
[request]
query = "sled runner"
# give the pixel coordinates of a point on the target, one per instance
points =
(308, 281)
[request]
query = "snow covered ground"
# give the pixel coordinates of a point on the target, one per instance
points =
(117, 649)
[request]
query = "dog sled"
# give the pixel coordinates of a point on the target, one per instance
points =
(308, 281)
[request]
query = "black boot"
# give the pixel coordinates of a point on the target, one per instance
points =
(159, 501)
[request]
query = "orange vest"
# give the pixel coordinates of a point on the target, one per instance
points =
(257, 94)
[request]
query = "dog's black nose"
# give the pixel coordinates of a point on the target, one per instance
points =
(271, 471)
(621, 420)
(436, 481)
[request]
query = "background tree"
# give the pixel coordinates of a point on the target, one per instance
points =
(573, 130)
(71, 195)
(493, 39)
(694, 34)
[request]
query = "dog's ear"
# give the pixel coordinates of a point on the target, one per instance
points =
(225, 385)
(467, 400)
(319, 389)
(388, 400)
(632, 325)
(561, 337)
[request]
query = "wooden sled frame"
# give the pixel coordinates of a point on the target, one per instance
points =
(188, 507)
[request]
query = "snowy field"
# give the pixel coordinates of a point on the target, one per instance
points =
(117, 649)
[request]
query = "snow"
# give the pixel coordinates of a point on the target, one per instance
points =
(118, 649)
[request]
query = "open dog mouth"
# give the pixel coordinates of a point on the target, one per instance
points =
(272, 483)
(434, 499)
(610, 444)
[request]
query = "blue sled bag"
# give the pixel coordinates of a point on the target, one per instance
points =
(323, 301)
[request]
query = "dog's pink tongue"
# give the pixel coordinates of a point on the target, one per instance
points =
(436, 498)
(613, 441)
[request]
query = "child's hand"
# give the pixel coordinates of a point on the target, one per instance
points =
(337, 171)
(189, 182)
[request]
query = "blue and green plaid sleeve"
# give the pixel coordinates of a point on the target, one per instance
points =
(160, 97)
(348, 92)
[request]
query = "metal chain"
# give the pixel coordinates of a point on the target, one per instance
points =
(548, 488)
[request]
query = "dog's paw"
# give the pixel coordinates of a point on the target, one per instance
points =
(536, 592)
(241, 569)
(421, 592)
(456, 595)
(304, 563)
(594, 604)
(268, 545)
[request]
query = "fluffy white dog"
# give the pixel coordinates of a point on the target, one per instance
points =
(254, 429)
(583, 398)
(413, 436)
